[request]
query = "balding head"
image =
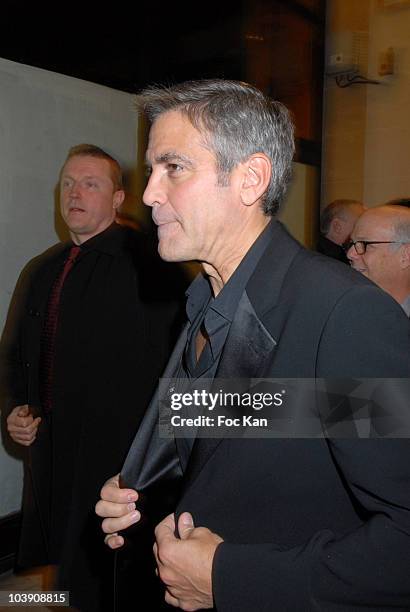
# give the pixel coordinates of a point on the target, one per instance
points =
(338, 219)
(386, 263)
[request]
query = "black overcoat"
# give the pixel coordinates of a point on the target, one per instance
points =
(113, 339)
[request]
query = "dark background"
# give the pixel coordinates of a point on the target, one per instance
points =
(127, 45)
(275, 44)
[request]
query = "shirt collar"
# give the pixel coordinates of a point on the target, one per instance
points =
(227, 300)
(105, 242)
(199, 293)
(406, 305)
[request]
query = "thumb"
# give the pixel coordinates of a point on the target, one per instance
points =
(24, 410)
(185, 525)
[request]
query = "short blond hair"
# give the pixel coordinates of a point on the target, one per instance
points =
(89, 150)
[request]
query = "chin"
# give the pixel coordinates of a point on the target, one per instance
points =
(169, 256)
(168, 253)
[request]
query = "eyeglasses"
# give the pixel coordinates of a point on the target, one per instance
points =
(361, 245)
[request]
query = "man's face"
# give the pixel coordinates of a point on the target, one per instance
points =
(195, 216)
(342, 225)
(88, 197)
(380, 262)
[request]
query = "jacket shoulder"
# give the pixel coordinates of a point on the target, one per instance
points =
(49, 255)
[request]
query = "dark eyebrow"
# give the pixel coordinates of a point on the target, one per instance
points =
(87, 177)
(173, 157)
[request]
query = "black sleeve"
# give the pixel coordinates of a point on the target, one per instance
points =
(13, 385)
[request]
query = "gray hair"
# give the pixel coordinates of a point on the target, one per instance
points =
(337, 208)
(236, 121)
(401, 226)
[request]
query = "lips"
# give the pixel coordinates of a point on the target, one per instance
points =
(163, 228)
(161, 221)
(362, 270)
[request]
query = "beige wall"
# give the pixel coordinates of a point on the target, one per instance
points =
(387, 151)
(300, 208)
(366, 144)
(42, 114)
(344, 117)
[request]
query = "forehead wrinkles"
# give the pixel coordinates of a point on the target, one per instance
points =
(94, 167)
(170, 156)
(374, 228)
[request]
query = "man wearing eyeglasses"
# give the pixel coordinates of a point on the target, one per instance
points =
(380, 249)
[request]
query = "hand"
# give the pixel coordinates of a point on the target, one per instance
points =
(185, 565)
(118, 507)
(21, 425)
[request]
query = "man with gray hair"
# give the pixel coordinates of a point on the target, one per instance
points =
(336, 223)
(261, 523)
(380, 249)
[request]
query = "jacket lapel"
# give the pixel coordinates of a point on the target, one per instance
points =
(246, 352)
(152, 458)
(44, 281)
(247, 346)
(250, 344)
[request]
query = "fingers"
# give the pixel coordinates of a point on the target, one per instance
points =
(165, 528)
(171, 600)
(111, 492)
(114, 541)
(185, 525)
(113, 525)
(112, 509)
(28, 442)
(29, 429)
(116, 503)
(21, 425)
(20, 415)
(23, 410)
(117, 508)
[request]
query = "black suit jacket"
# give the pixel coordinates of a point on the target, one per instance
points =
(331, 249)
(307, 524)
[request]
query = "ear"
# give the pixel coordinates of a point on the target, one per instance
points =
(256, 175)
(336, 226)
(405, 257)
(118, 198)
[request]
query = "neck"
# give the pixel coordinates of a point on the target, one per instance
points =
(335, 239)
(400, 294)
(220, 272)
(81, 238)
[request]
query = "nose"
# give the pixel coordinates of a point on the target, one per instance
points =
(74, 191)
(154, 193)
(352, 254)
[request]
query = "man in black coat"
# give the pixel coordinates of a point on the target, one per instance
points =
(305, 516)
(94, 381)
